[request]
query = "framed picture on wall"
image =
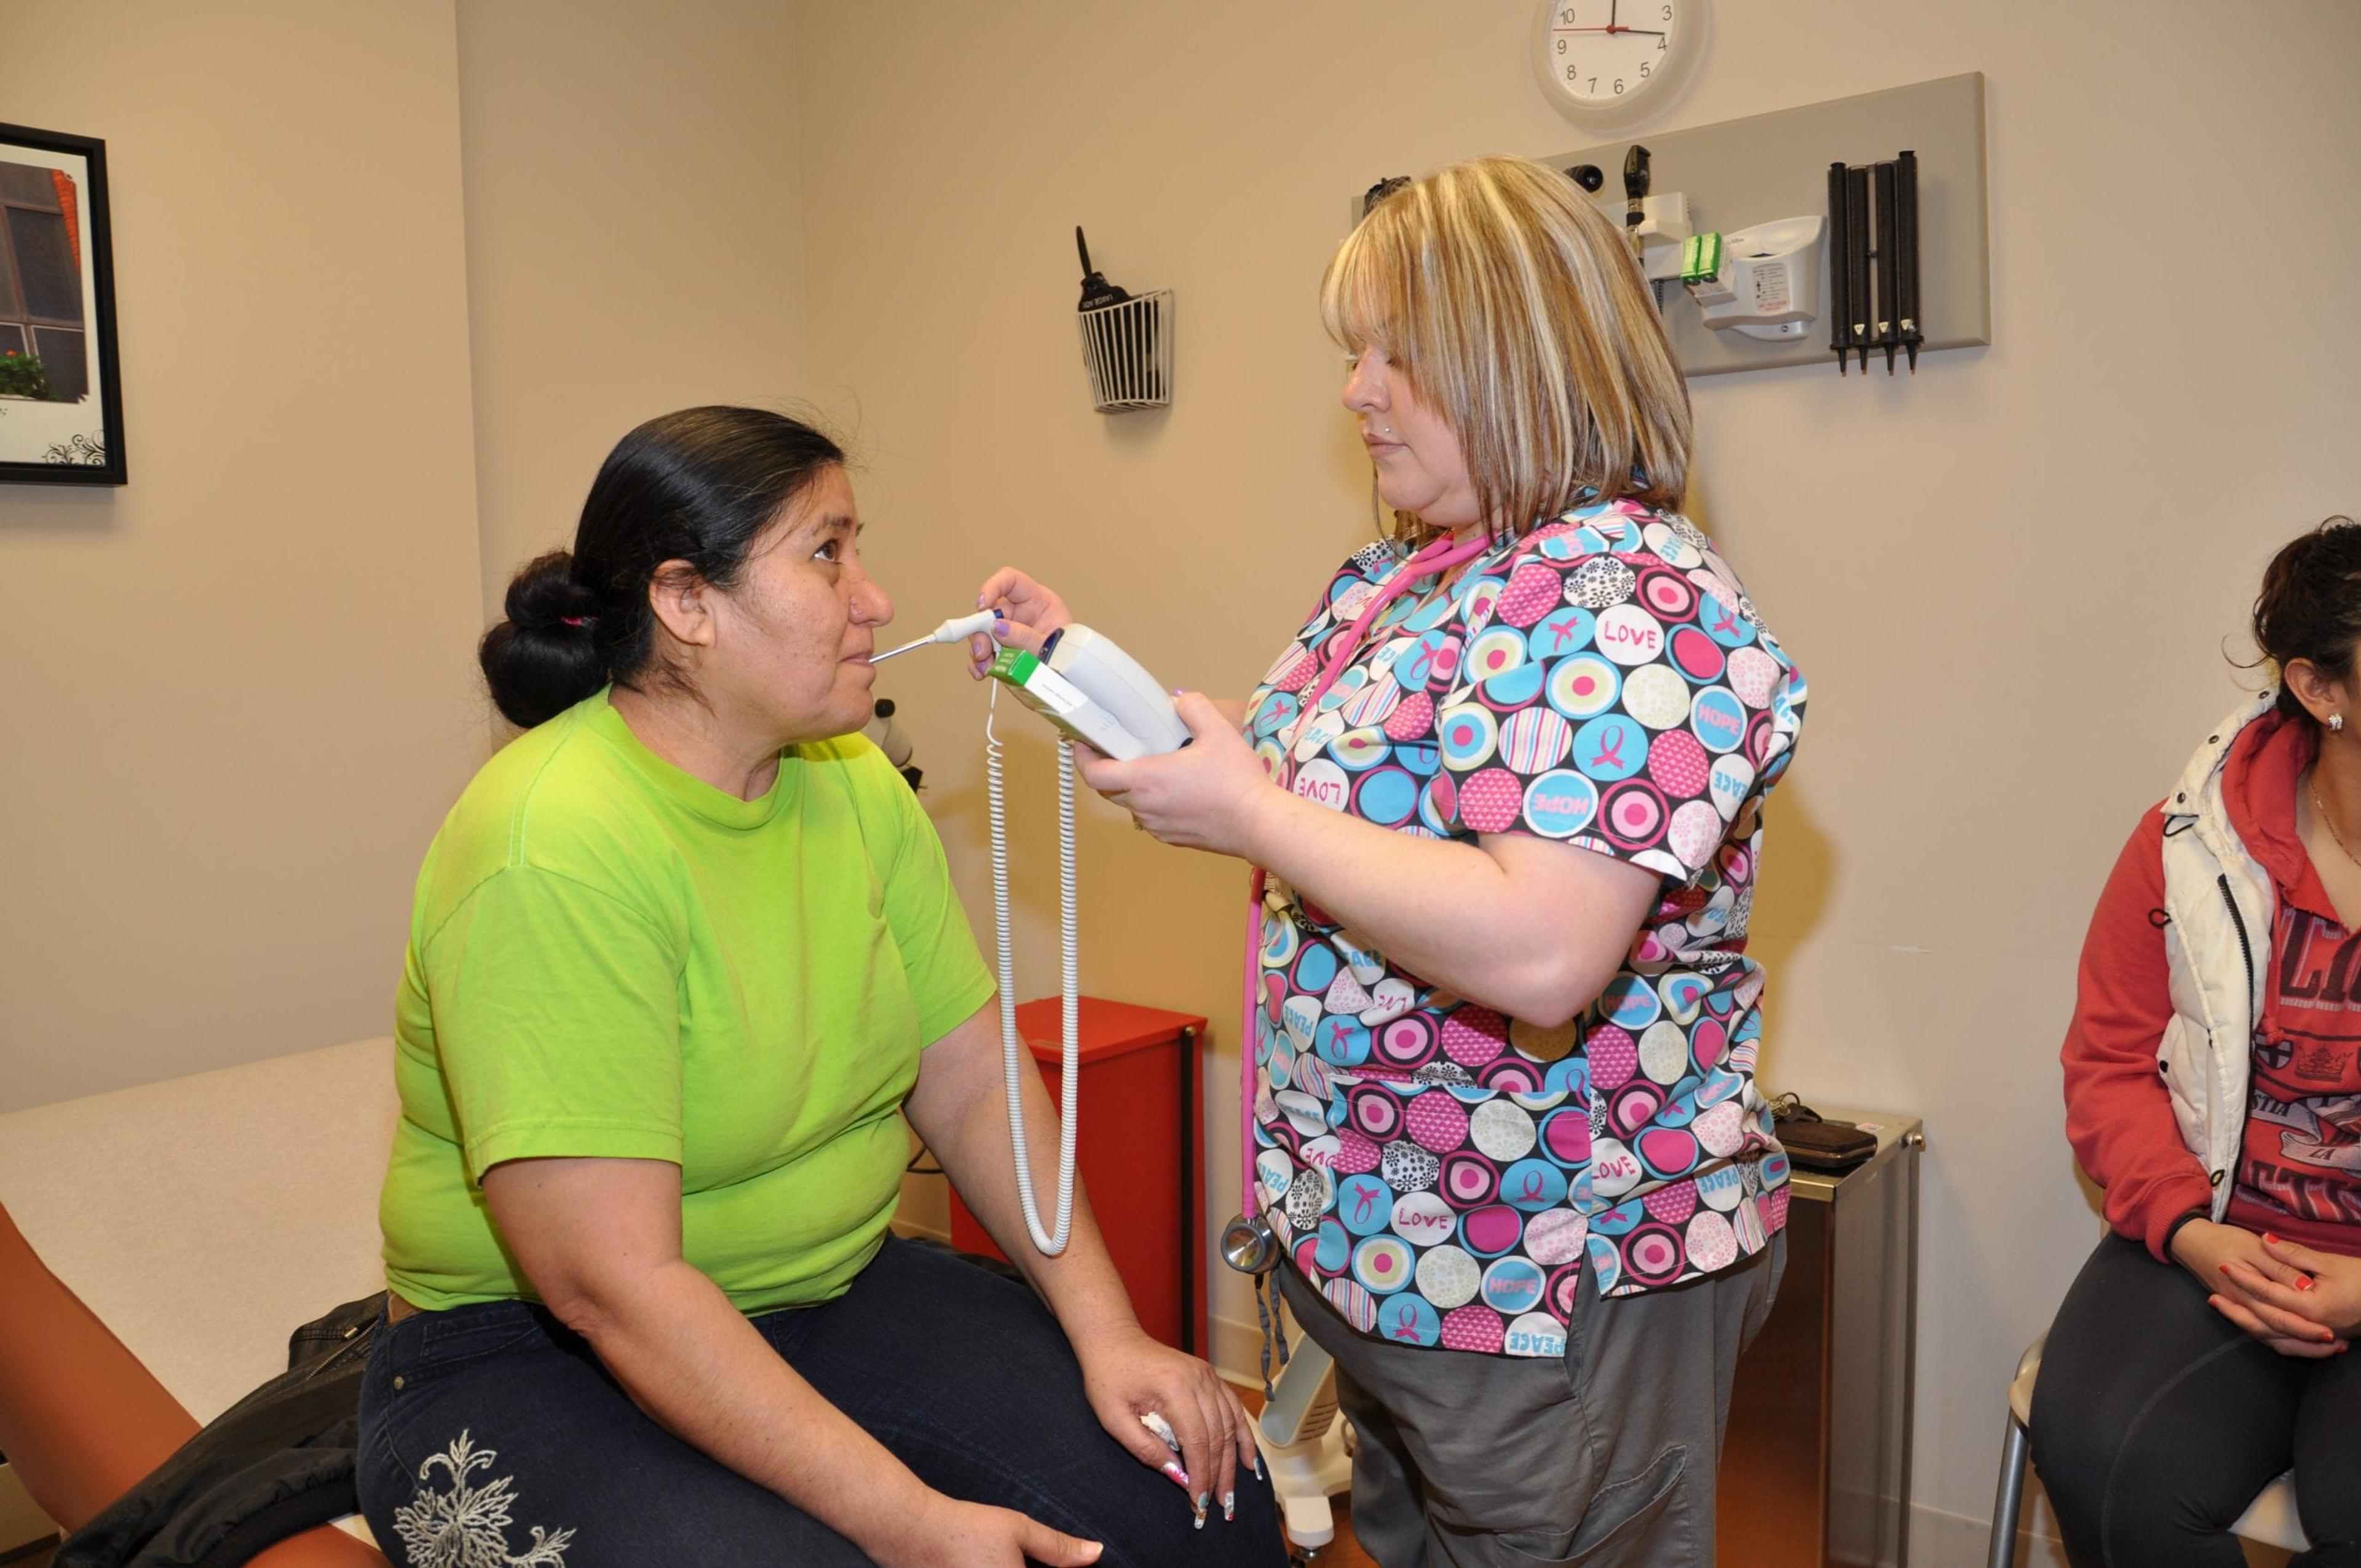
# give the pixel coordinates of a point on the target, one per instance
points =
(60, 392)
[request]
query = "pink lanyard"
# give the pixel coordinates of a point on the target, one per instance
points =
(1440, 556)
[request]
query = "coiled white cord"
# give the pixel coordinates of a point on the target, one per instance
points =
(1013, 1053)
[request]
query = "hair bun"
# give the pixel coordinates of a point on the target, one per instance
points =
(544, 657)
(545, 595)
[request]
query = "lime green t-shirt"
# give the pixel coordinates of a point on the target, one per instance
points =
(610, 958)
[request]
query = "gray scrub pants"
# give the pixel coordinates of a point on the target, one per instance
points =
(1605, 1459)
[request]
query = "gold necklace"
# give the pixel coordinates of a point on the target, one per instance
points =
(2321, 811)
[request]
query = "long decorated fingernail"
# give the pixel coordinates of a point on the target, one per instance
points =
(1178, 1477)
(1229, 1506)
(1257, 1465)
(1199, 1507)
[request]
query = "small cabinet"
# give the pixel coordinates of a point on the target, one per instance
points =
(1816, 1467)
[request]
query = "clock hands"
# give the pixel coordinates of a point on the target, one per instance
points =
(1635, 32)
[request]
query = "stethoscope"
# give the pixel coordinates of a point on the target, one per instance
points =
(1250, 1244)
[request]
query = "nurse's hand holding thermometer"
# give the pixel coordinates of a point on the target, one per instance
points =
(1205, 796)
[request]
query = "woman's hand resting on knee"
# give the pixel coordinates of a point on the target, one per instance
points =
(1127, 1376)
(2264, 1289)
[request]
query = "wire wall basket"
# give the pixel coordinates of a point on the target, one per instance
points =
(1128, 348)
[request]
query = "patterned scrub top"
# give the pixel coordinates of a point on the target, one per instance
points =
(1441, 1173)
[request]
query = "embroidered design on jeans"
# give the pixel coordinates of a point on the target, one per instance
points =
(468, 1525)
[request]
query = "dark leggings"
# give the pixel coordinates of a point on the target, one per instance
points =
(490, 1434)
(2156, 1420)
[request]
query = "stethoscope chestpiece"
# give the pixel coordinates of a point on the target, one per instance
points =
(1250, 1244)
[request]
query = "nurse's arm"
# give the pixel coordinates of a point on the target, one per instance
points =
(1528, 927)
(599, 1240)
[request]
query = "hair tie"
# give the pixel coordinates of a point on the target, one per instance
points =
(578, 621)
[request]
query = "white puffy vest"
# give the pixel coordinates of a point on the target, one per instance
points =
(2222, 906)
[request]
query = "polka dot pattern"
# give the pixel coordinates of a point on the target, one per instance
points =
(1472, 1035)
(1598, 582)
(1412, 719)
(1614, 1057)
(1446, 1177)
(1678, 765)
(1492, 801)
(1535, 590)
(1436, 1122)
(1472, 1327)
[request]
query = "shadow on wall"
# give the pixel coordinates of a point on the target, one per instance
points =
(1792, 889)
(1137, 430)
(59, 510)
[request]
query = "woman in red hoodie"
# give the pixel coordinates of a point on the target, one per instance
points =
(2213, 1089)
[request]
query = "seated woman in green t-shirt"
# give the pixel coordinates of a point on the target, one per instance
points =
(678, 956)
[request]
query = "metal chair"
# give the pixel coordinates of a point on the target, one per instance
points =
(2269, 1518)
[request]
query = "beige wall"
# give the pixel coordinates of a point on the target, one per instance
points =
(2009, 579)
(237, 701)
(633, 242)
(240, 691)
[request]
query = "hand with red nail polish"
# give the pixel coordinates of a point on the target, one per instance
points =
(2266, 1292)
(2326, 1290)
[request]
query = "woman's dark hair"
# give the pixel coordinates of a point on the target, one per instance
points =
(2310, 607)
(698, 486)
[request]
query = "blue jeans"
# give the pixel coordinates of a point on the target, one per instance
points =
(493, 1434)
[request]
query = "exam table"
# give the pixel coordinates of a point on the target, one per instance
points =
(157, 1246)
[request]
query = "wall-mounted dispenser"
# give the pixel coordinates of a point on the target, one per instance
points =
(1127, 341)
(1767, 283)
(1738, 175)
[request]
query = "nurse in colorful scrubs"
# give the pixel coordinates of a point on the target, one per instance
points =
(1504, 792)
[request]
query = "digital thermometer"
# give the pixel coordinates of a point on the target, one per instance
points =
(1095, 693)
(958, 629)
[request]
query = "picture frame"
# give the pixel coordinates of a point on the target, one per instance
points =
(61, 382)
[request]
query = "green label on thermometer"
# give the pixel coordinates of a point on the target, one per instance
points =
(1013, 666)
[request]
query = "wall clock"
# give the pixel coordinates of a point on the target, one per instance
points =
(1608, 64)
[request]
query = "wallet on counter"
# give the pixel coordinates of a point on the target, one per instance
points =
(1818, 1144)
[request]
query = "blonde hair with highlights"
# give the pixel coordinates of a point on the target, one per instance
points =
(1514, 309)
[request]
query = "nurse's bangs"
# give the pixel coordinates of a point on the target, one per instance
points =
(1365, 296)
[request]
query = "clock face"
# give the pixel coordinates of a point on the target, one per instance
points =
(1610, 62)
